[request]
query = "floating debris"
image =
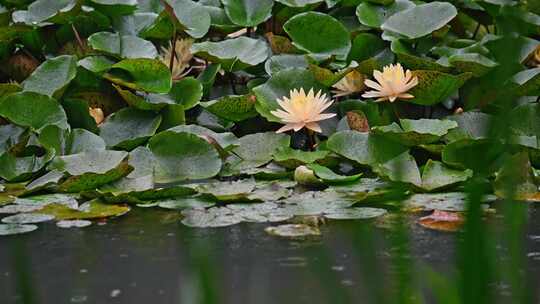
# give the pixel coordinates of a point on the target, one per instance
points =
(293, 230)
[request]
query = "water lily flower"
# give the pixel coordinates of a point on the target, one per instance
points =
(301, 110)
(97, 115)
(392, 83)
(352, 83)
(182, 57)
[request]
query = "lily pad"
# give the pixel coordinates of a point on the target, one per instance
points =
(52, 76)
(330, 176)
(142, 74)
(292, 158)
(355, 213)
(128, 128)
(228, 191)
(33, 110)
(122, 46)
(91, 210)
(73, 223)
(434, 87)
(181, 203)
(436, 176)
(375, 16)
(11, 229)
(233, 107)
(191, 16)
(416, 132)
(255, 150)
(420, 20)
(293, 231)
(183, 156)
(319, 34)
(233, 54)
(248, 13)
(27, 218)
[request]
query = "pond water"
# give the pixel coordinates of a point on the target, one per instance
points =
(149, 257)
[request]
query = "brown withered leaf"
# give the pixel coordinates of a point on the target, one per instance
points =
(357, 121)
(443, 221)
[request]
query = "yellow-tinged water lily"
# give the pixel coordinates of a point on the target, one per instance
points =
(392, 83)
(352, 83)
(303, 110)
(97, 115)
(182, 56)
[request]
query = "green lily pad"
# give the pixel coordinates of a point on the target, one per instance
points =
(115, 7)
(355, 213)
(373, 15)
(73, 224)
(528, 82)
(281, 84)
(299, 3)
(64, 142)
(193, 18)
(90, 169)
(416, 132)
(225, 140)
(142, 74)
(233, 107)
(209, 219)
(364, 148)
(283, 62)
(27, 218)
(187, 92)
(329, 176)
(436, 176)
(33, 110)
(122, 46)
(17, 169)
(228, 191)
(319, 34)
(94, 209)
(11, 229)
(434, 87)
(248, 13)
(96, 64)
(292, 158)
(451, 201)
(420, 20)
(52, 76)
(293, 231)
(402, 168)
(128, 128)
(182, 203)
(233, 54)
(255, 150)
(183, 156)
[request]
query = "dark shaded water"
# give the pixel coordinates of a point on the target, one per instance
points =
(148, 257)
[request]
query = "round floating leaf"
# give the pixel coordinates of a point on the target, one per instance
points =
(330, 176)
(416, 132)
(293, 231)
(52, 76)
(233, 54)
(181, 203)
(248, 13)
(192, 16)
(96, 64)
(64, 142)
(233, 107)
(420, 20)
(183, 156)
(215, 217)
(187, 92)
(257, 149)
(143, 74)
(292, 158)
(123, 46)
(33, 110)
(299, 3)
(73, 223)
(355, 213)
(437, 176)
(365, 148)
(281, 84)
(27, 218)
(16, 169)
(402, 168)
(319, 34)
(528, 82)
(49, 10)
(474, 63)
(451, 201)
(115, 7)
(225, 140)
(94, 209)
(228, 190)
(129, 128)
(434, 87)
(283, 62)
(10, 229)
(375, 15)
